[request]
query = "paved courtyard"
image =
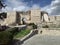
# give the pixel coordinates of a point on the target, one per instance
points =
(43, 40)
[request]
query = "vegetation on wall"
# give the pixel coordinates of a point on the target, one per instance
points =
(46, 26)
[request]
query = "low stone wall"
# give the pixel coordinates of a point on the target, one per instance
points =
(51, 31)
(33, 32)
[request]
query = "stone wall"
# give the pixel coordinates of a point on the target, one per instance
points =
(31, 16)
(50, 31)
(11, 18)
(54, 18)
(35, 16)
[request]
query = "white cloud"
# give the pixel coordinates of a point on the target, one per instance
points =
(53, 8)
(7, 9)
(35, 6)
(21, 8)
(19, 5)
(15, 5)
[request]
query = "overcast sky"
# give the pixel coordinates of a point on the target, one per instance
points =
(50, 6)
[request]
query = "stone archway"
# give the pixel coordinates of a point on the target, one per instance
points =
(44, 17)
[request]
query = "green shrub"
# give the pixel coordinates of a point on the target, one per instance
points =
(5, 37)
(13, 30)
(31, 24)
(46, 26)
(34, 26)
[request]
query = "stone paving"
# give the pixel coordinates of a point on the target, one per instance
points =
(43, 40)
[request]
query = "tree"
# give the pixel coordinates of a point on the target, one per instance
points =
(2, 4)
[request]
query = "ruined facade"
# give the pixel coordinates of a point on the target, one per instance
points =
(32, 16)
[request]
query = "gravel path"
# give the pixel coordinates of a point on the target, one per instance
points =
(43, 40)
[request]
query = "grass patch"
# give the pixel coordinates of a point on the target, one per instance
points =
(22, 33)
